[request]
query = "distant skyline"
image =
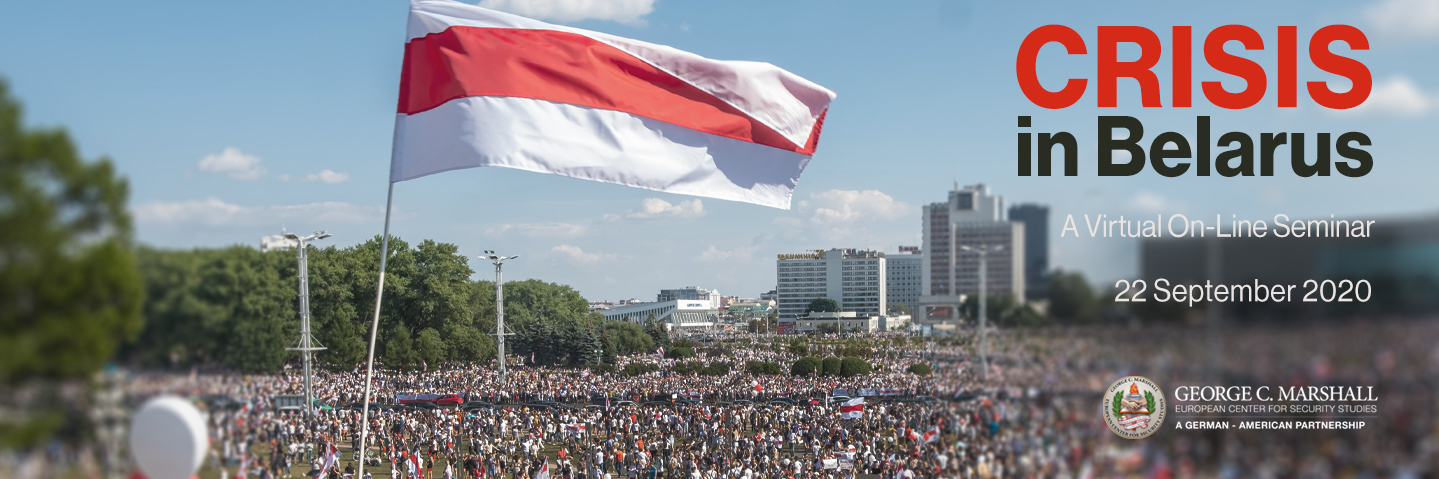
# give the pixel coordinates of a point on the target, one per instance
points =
(234, 120)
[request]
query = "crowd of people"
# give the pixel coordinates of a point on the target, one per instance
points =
(1032, 412)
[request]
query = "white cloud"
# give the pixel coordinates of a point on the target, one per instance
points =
(577, 254)
(1414, 19)
(652, 208)
(215, 212)
(538, 230)
(848, 206)
(630, 12)
(324, 176)
(1397, 95)
(234, 164)
(716, 255)
(1150, 202)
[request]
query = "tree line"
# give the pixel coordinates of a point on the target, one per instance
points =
(237, 308)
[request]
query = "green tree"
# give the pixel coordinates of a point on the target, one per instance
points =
(469, 345)
(1070, 298)
(538, 341)
(437, 289)
(336, 316)
(636, 369)
(716, 368)
(831, 366)
(1003, 311)
(587, 341)
(609, 355)
(629, 338)
(659, 332)
(853, 366)
(399, 350)
(763, 368)
(70, 291)
(920, 369)
(233, 306)
(430, 347)
(798, 347)
(256, 294)
(822, 305)
(804, 366)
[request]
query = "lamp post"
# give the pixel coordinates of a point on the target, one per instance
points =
(983, 251)
(306, 344)
(500, 334)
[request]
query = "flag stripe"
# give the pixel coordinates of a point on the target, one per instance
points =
(784, 101)
(564, 67)
(627, 150)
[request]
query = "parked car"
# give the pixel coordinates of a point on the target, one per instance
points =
(448, 400)
(473, 405)
(374, 406)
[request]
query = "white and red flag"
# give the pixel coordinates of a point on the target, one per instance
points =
(486, 88)
(852, 409)
(931, 435)
(660, 353)
(544, 470)
(332, 456)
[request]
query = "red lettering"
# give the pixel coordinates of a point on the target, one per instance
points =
(1252, 73)
(1024, 67)
(1356, 72)
(1288, 67)
(1110, 69)
(1182, 67)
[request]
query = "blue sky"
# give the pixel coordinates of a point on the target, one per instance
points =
(233, 119)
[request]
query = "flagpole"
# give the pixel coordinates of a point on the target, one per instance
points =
(374, 328)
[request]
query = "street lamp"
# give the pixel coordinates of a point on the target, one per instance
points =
(983, 251)
(500, 334)
(306, 344)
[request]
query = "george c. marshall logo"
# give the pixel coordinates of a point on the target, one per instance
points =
(1133, 407)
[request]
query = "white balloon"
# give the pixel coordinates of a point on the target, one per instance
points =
(168, 438)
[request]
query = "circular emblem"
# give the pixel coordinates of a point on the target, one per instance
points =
(1133, 407)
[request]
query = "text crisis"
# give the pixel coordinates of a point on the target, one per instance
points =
(1170, 153)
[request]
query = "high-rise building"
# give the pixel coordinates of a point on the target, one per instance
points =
(1036, 247)
(852, 278)
(904, 276)
(689, 293)
(977, 218)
